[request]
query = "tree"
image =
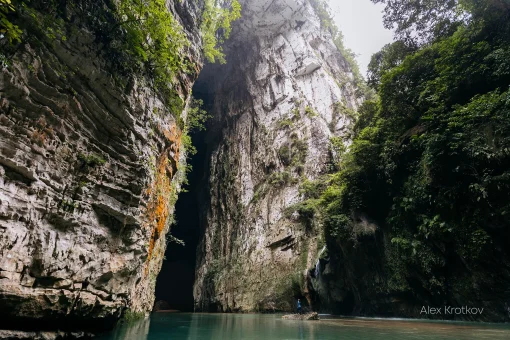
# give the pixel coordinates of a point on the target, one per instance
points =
(390, 56)
(419, 21)
(430, 159)
(216, 26)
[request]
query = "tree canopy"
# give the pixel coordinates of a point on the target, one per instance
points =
(430, 160)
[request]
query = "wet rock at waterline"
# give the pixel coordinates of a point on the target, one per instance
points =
(307, 316)
(20, 335)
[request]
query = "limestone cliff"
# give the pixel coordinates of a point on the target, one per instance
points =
(89, 163)
(286, 90)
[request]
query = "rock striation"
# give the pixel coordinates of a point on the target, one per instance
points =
(89, 164)
(284, 93)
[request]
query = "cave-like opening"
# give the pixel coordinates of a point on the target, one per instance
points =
(175, 281)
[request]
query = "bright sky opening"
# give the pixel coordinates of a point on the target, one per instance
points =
(361, 23)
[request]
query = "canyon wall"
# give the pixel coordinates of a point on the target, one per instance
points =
(285, 91)
(89, 163)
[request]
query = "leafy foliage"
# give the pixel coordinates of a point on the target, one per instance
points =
(154, 38)
(390, 56)
(7, 28)
(216, 27)
(196, 115)
(195, 121)
(421, 21)
(140, 37)
(90, 160)
(430, 161)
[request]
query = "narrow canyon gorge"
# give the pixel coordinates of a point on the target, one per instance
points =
(94, 154)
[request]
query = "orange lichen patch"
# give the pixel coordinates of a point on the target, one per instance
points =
(173, 135)
(160, 191)
(42, 132)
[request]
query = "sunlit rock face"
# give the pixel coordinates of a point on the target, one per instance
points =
(88, 164)
(285, 91)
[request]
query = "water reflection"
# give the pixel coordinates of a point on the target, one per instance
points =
(135, 330)
(249, 326)
(266, 327)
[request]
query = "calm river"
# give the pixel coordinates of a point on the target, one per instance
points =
(265, 327)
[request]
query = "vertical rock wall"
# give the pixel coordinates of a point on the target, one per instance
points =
(285, 91)
(89, 164)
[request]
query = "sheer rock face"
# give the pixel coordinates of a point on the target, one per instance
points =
(285, 91)
(88, 168)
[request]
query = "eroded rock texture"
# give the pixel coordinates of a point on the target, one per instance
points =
(285, 91)
(89, 174)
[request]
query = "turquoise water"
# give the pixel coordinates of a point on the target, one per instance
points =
(265, 327)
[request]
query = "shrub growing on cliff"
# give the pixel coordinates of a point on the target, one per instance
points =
(310, 112)
(195, 121)
(7, 28)
(142, 38)
(216, 26)
(91, 160)
(324, 13)
(157, 41)
(196, 115)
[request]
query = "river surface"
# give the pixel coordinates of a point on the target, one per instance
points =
(266, 327)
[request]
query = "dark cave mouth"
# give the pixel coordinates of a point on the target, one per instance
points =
(174, 285)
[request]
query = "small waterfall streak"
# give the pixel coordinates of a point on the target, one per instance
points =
(318, 264)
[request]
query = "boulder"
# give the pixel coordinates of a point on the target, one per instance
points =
(307, 316)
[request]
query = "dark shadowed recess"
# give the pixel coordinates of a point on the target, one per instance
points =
(175, 281)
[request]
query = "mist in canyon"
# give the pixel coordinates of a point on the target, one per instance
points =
(360, 195)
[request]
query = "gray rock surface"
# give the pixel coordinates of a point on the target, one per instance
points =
(89, 173)
(285, 91)
(20, 335)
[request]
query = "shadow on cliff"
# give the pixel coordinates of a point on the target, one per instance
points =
(177, 276)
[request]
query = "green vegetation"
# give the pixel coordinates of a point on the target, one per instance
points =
(154, 38)
(388, 57)
(327, 23)
(138, 38)
(68, 206)
(172, 239)
(337, 150)
(285, 123)
(130, 316)
(196, 117)
(310, 112)
(416, 22)
(294, 153)
(296, 113)
(216, 21)
(343, 108)
(310, 208)
(430, 159)
(91, 160)
(280, 179)
(7, 28)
